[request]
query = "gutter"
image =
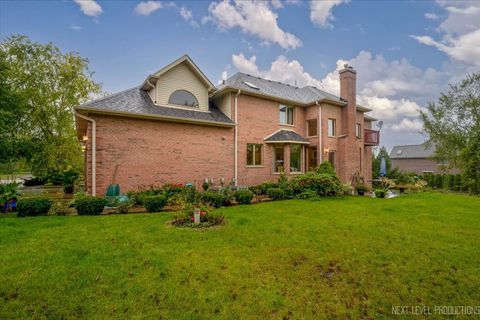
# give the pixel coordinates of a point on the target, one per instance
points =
(320, 132)
(94, 151)
(236, 139)
(154, 117)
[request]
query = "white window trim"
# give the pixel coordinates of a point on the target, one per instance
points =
(286, 117)
(334, 128)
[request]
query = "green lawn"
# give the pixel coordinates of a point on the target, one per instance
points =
(354, 257)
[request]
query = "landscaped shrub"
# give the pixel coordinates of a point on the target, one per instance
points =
(208, 216)
(243, 196)
(276, 193)
(214, 199)
(155, 203)
(262, 188)
(380, 193)
(326, 167)
(59, 208)
(89, 206)
(33, 207)
(457, 182)
(438, 181)
(124, 206)
(323, 184)
(447, 181)
(346, 189)
(308, 195)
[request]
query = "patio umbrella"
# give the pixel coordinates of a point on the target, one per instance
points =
(383, 167)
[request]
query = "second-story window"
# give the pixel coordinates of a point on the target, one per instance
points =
(312, 127)
(331, 127)
(286, 114)
(183, 98)
(358, 130)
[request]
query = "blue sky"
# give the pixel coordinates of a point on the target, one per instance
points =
(405, 52)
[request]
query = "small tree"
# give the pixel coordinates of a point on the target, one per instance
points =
(50, 84)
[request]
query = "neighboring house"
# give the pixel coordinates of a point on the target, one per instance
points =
(417, 158)
(177, 127)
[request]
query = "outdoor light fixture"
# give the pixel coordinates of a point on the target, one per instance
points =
(85, 138)
(326, 149)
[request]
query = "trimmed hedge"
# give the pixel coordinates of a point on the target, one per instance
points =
(214, 199)
(155, 203)
(89, 206)
(243, 196)
(276, 193)
(38, 206)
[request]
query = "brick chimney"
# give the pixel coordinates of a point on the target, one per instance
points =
(348, 156)
(348, 92)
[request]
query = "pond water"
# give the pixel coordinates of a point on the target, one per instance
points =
(51, 192)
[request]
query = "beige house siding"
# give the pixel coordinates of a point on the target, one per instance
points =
(181, 77)
(224, 104)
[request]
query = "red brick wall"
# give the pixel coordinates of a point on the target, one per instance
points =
(257, 119)
(146, 152)
(137, 152)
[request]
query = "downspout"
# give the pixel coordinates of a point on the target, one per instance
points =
(94, 151)
(320, 132)
(236, 138)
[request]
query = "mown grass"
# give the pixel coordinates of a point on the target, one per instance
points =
(354, 257)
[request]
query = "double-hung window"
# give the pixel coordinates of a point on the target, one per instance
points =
(254, 154)
(312, 127)
(358, 131)
(286, 114)
(331, 127)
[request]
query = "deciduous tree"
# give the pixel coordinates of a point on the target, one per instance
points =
(453, 124)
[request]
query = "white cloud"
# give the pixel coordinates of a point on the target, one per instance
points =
(277, 4)
(187, 15)
(321, 12)
(407, 124)
(460, 32)
(89, 7)
(431, 16)
(252, 17)
(465, 48)
(75, 27)
(148, 7)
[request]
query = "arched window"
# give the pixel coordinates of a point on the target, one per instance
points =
(183, 98)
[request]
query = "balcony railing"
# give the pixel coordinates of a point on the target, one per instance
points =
(372, 137)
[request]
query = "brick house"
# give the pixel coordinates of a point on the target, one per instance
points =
(177, 127)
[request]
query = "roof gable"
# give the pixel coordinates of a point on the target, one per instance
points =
(189, 62)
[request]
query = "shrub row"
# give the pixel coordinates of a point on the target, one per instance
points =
(445, 181)
(310, 185)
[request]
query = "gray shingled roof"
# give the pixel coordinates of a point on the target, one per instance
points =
(412, 151)
(137, 101)
(286, 135)
(304, 95)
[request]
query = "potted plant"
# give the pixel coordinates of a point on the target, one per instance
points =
(8, 196)
(69, 177)
(380, 193)
(361, 189)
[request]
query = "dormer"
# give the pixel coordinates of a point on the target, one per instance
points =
(181, 84)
